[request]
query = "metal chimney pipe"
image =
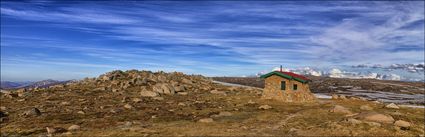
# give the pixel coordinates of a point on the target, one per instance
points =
(281, 68)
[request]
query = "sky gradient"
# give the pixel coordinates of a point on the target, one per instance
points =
(73, 40)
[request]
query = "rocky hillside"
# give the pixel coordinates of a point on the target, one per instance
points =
(144, 82)
(144, 103)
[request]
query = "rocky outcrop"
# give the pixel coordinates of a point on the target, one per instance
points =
(375, 117)
(147, 83)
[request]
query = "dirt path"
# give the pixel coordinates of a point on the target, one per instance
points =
(236, 85)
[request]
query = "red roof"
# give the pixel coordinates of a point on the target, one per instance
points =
(294, 75)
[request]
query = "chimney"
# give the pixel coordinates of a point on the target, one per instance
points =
(281, 68)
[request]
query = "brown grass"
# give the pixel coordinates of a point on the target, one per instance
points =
(173, 120)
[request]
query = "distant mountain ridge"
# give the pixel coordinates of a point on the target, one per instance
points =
(40, 84)
(11, 84)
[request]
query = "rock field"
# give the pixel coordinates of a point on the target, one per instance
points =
(144, 103)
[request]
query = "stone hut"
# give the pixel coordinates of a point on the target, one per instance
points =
(287, 87)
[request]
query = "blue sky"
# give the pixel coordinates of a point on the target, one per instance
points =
(73, 40)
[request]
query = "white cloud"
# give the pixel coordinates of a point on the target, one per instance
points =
(359, 39)
(252, 35)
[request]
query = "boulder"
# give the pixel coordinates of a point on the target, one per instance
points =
(21, 92)
(128, 106)
(124, 99)
(251, 102)
(167, 89)
(74, 128)
(377, 102)
(366, 107)
(32, 112)
(187, 81)
(354, 121)
(181, 104)
(126, 85)
(354, 98)
(147, 93)
(81, 112)
(217, 92)
(100, 89)
(162, 78)
(342, 97)
(392, 106)
(105, 78)
(140, 81)
(54, 130)
(3, 108)
(65, 103)
(265, 107)
(11, 95)
(157, 88)
(163, 89)
(375, 117)
(152, 78)
(182, 93)
(206, 120)
(335, 96)
(116, 110)
(115, 83)
(402, 124)
(179, 88)
(137, 100)
(340, 109)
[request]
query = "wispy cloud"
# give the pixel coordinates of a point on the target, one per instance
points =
(360, 40)
(212, 38)
(87, 17)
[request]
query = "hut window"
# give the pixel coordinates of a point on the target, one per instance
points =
(282, 85)
(295, 86)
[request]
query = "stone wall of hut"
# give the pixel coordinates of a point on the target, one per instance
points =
(272, 90)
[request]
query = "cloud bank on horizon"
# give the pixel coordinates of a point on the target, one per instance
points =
(71, 40)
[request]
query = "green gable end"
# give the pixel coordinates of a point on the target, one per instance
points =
(283, 76)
